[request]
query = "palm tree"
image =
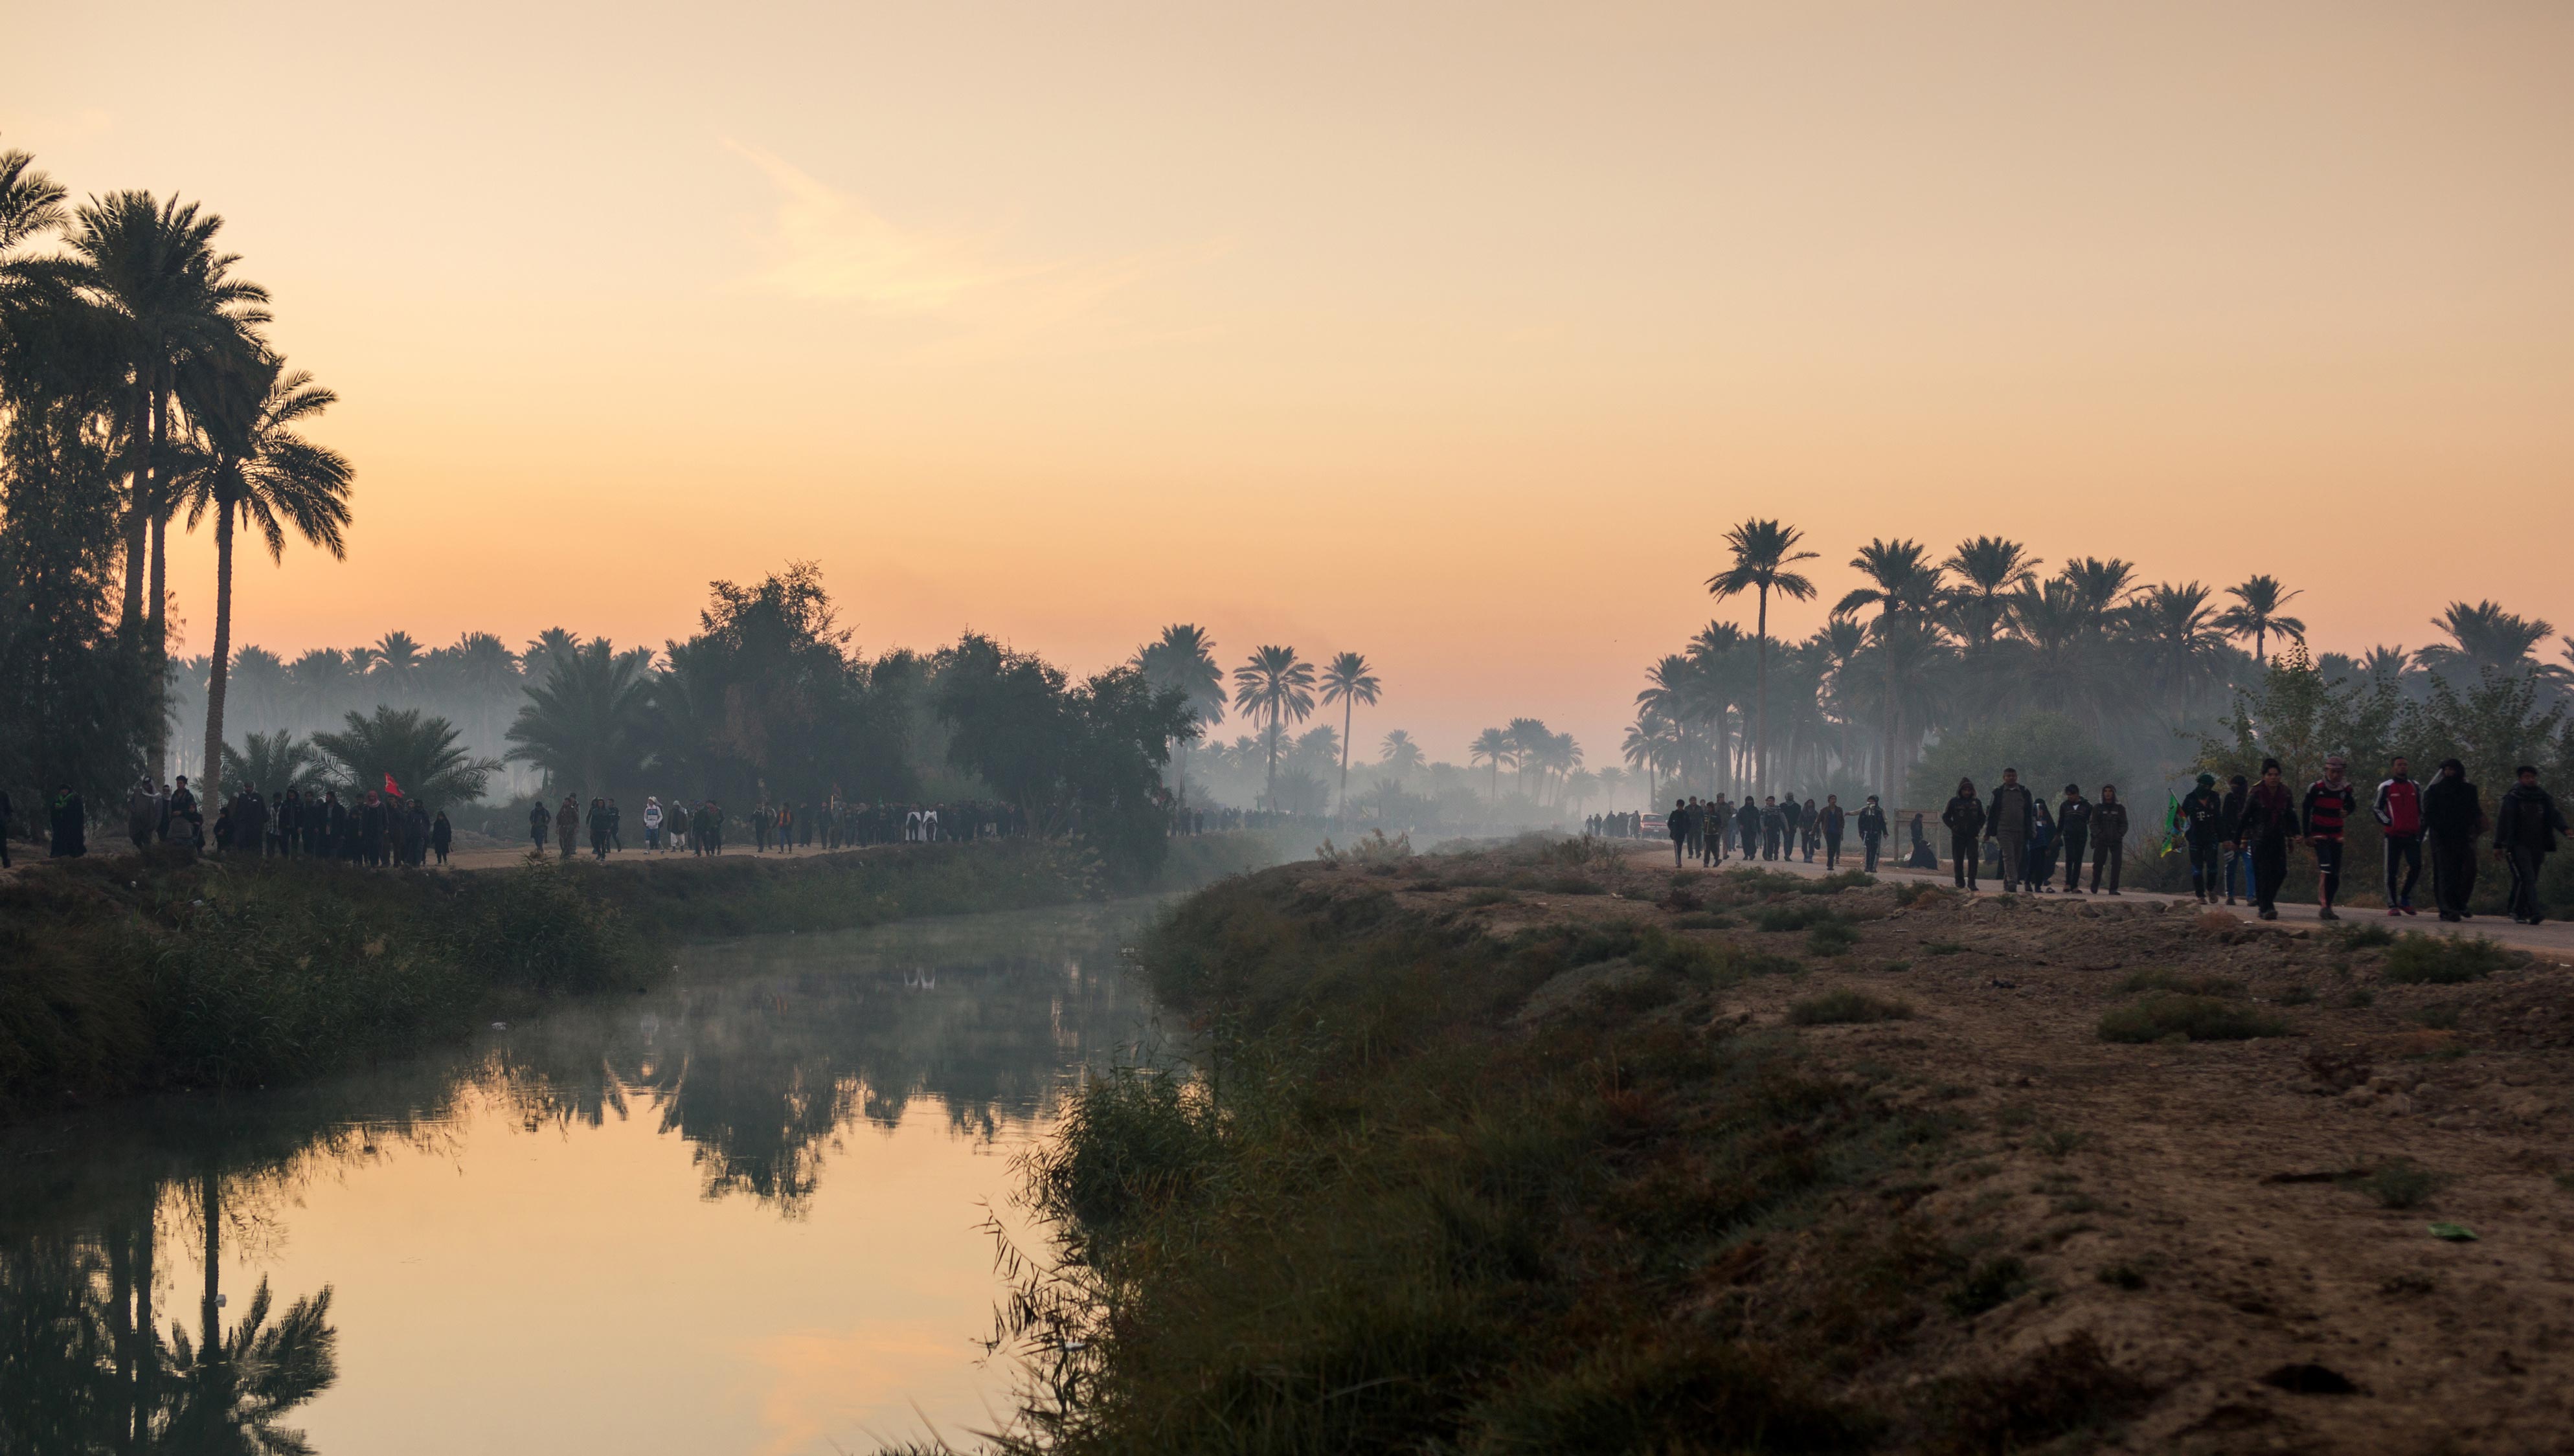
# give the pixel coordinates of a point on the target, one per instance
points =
(399, 660)
(262, 472)
(1399, 754)
(1715, 687)
(1347, 682)
(487, 674)
(1275, 682)
(1990, 567)
(1762, 551)
(2176, 626)
(1904, 589)
(2484, 637)
(421, 755)
(1182, 660)
(2102, 587)
(274, 761)
(152, 268)
(2255, 613)
(31, 204)
(1649, 746)
(583, 723)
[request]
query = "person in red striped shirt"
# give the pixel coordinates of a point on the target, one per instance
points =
(2399, 813)
(2330, 801)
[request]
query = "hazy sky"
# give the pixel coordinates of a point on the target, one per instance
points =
(1452, 333)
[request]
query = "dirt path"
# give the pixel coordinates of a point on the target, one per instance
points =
(2246, 1225)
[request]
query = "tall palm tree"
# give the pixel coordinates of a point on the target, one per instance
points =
(31, 204)
(419, 754)
(488, 675)
(1491, 746)
(152, 268)
(1348, 681)
(1275, 682)
(2176, 626)
(1399, 754)
(1904, 589)
(1988, 567)
(274, 761)
(2256, 615)
(260, 470)
(1762, 551)
(1716, 658)
(1648, 748)
(1675, 692)
(2102, 587)
(1182, 659)
(399, 661)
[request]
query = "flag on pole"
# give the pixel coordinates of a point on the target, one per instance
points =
(391, 787)
(2171, 820)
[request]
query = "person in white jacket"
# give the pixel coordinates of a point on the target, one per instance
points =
(652, 823)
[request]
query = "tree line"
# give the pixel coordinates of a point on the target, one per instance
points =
(1983, 654)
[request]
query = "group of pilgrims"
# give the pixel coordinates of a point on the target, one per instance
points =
(780, 827)
(1774, 829)
(377, 828)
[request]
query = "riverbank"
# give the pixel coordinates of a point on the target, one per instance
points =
(154, 972)
(1556, 1149)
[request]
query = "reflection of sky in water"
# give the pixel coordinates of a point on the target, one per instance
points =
(739, 1215)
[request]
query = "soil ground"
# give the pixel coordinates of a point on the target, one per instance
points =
(2210, 1211)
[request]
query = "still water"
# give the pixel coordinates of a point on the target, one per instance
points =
(748, 1211)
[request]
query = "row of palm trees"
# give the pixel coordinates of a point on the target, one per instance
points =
(1925, 644)
(126, 307)
(1273, 686)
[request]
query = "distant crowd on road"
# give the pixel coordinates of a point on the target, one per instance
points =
(378, 828)
(1703, 831)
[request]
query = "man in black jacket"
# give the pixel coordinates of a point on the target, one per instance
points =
(2108, 837)
(2229, 833)
(1964, 821)
(1830, 822)
(1747, 824)
(1871, 830)
(2453, 815)
(1679, 824)
(2199, 820)
(2008, 822)
(2074, 831)
(2526, 827)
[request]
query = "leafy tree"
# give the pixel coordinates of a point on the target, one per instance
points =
(2499, 725)
(1762, 551)
(2484, 638)
(262, 473)
(1989, 568)
(419, 754)
(1906, 590)
(1182, 659)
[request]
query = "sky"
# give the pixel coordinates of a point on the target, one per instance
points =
(1452, 334)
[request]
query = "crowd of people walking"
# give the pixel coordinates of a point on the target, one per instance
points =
(778, 827)
(1705, 832)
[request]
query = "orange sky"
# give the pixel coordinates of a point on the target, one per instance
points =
(1452, 333)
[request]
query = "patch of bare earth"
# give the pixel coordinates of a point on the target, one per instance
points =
(2243, 1228)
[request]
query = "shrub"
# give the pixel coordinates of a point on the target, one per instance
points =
(2401, 1183)
(1491, 895)
(2441, 961)
(1793, 916)
(2173, 980)
(1988, 1285)
(2358, 936)
(2195, 1019)
(1847, 1007)
(1702, 920)
(1831, 938)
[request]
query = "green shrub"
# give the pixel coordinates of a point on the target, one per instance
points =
(1831, 938)
(1491, 894)
(2442, 960)
(2173, 980)
(1846, 1007)
(2195, 1019)
(1793, 916)
(2401, 1183)
(1702, 920)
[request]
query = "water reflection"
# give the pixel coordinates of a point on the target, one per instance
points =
(763, 1058)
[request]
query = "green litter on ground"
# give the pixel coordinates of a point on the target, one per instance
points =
(2456, 1234)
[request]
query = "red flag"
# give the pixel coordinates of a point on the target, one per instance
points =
(391, 788)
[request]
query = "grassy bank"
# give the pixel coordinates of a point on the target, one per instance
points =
(134, 974)
(1471, 1175)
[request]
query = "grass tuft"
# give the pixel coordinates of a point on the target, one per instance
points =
(1847, 1007)
(2188, 985)
(2420, 959)
(2193, 1018)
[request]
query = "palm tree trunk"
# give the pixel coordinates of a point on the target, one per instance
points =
(1275, 709)
(1348, 707)
(159, 582)
(210, 773)
(1761, 671)
(137, 499)
(1888, 782)
(211, 1204)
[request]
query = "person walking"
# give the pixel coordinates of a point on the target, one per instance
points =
(2007, 822)
(567, 824)
(2453, 815)
(598, 830)
(1716, 819)
(2230, 830)
(7, 814)
(442, 834)
(1922, 856)
(1964, 821)
(2073, 829)
(1871, 830)
(651, 824)
(138, 813)
(1810, 826)
(616, 828)
(1790, 821)
(538, 823)
(2321, 817)
(1832, 821)
(2526, 827)
(1678, 827)
(2398, 807)
(68, 819)
(1747, 828)
(2108, 837)
(185, 810)
(2039, 873)
(2270, 824)
(2200, 819)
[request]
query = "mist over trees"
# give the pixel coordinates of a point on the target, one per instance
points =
(1933, 667)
